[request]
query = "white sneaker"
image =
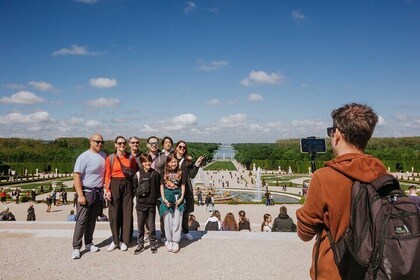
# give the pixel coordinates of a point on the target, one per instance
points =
(112, 247)
(92, 248)
(123, 247)
(169, 246)
(75, 254)
(166, 243)
(188, 236)
(175, 247)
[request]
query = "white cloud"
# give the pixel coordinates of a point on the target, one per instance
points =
(18, 118)
(75, 50)
(42, 86)
(190, 7)
(262, 78)
(381, 121)
(297, 15)
(232, 121)
(148, 129)
(308, 123)
(212, 66)
(213, 101)
(14, 86)
(253, 97)
(103, 102)
(75, 121)
(86, 1)
(22, 97)
(93, 123)
(185, 119)
(103, 82)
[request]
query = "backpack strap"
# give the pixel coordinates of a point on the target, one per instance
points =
(318, 245)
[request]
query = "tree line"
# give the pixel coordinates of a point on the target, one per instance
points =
(396, 153)
(20, 154)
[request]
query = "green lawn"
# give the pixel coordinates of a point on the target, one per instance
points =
(221, 165)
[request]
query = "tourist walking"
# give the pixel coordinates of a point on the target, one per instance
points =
(31, 213)
(89, 172)
(118, 182)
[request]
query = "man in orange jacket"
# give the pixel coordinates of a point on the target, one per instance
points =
(329, 196)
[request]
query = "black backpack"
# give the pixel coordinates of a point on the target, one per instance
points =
(383, 237)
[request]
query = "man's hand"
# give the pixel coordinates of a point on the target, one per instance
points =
(81, 199)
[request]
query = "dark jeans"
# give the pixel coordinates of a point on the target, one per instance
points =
(121, 210)
(146, 217)
(86, 219)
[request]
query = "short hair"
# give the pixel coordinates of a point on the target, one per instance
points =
(167, 138)
(356, 122)
(145, 157)
(283, 210)
(71, 212)
(151, 138)
(412, 187)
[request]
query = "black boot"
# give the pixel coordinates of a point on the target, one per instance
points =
(139, 249)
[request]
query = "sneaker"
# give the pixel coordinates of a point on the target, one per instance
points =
(75, 254)
(92, 248)
(175, 247)
(169, 246)
(188, 236)
(153, 247)
(139, 249)
(123, 247)
(166, 243)
(112, 247)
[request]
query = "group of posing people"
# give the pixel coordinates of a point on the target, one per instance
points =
(283, 223)
(160, 181)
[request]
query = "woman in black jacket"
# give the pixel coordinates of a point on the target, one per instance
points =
(146, 186)
(186, 165)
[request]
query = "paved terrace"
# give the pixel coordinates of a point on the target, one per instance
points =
(41, 249)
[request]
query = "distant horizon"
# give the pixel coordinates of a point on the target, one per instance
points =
(208, 71)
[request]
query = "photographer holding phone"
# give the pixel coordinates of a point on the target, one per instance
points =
(190, 169)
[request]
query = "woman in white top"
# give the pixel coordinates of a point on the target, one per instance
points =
(267, 223)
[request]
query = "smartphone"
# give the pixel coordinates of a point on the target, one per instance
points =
(312, 145)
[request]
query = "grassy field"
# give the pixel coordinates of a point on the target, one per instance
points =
(221, 165)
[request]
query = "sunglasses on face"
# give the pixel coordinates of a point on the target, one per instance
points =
(99, 142)
(330, 131)
(153, 143)
(182, 147)
(135, 143)
(120, 143)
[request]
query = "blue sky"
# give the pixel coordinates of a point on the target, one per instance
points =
(211, 71)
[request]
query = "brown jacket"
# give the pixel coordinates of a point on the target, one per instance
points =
(328, 204)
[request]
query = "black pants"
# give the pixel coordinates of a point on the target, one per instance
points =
(148, 217)
(86, 219)
(121, 210)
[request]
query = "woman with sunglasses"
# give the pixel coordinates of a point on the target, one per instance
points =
(119, 192)
(185, 164)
